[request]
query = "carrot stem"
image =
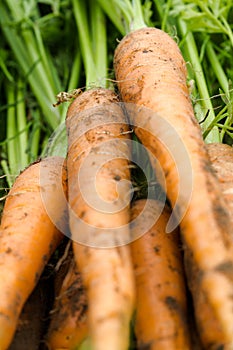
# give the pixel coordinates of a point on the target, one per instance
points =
(99, 40)
(217, 67)
(80, 13)
(193, 57)
(223, 82)
(11, 134)
(93, 44)
(121, 13)
(29, 58)
(112, 10)
(75, 72)
(22, 127)
(34, 137)
(93, 41)
(138, 20)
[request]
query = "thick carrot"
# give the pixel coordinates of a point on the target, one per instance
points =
(161, 320)
(28, 236)
(221, 157)
(151, 75)
(98, 191)
(68, 327)
(33, 320)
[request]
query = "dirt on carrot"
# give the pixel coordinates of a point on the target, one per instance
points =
(99, 197)
(161, 320)
(68, 326)
(221, 157)
(151, 75)
(29, 236)
(33, 321)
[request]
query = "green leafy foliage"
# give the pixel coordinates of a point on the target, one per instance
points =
(53, 46)
(49, 46)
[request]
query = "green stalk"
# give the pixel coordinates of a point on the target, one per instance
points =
(15, 10)
(192, 55)
(93, 45)
(217, 67)
(138, 20)
(93, 41)
(54, 82)
(112, 12)
(120, 12)
(12, 144)
(7, 173)
(80, 13)
(16, 142)
(164, 14)
(73, 81)
(99, 42)
(228, 30)
(126, 15)
(22, 131)
(75, 72)
(34, 55)
(223, 82)
(26, 52)
(4, 68)
(34, 137)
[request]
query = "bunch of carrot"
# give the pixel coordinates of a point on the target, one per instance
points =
(115, 284)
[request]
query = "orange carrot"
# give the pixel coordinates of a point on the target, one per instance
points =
(33, 320)
(98, 191)
(221, 157)
(68, 327)
(161, 320)
(151, 75)
(28, 236)
(97, 165)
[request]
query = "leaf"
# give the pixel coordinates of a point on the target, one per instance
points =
(147, 11)
(3, 55)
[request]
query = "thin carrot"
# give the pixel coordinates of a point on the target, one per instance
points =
(98, 191)
(28, 236)
(68, 327)
(161, 320)
(151, 75)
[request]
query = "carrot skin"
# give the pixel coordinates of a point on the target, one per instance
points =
(161, 304)
(151, 74)
(98, 131)
(107, 278)
(33, 319)
(29, 236)
(68, 326)
(221, 157)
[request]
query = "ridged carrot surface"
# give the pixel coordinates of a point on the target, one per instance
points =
(151, 77)
(28, 236)
(98, 154)
(221, 157)
(68, 326)
(161, 320)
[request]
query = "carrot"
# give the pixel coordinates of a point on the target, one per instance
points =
(151, 76)
(33, 320)
(28, 236)
(221, 157)
(68, 327)
(161, 320)
(99, 213)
